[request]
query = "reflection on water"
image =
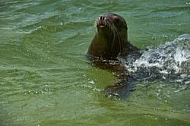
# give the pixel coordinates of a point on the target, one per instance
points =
(46, 80)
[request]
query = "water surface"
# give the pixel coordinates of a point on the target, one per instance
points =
(46, 80)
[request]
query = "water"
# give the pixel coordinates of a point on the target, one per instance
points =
(169, 61)
(46, 80)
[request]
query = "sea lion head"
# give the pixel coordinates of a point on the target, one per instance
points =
(111, 25)
(111, 37)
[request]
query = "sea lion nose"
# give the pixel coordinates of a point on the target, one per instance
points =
(102, 17)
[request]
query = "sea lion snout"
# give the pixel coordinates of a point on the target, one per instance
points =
(101, 21)
(101, 17)
(105, 17)
(105, 21)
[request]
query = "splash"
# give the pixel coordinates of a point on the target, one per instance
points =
(169, 61)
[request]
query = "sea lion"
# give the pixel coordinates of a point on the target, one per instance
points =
(109, 43)
(111, 39)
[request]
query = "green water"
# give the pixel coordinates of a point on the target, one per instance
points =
(45, 79)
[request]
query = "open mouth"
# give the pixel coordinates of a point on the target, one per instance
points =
(100, 23)
(101, 26)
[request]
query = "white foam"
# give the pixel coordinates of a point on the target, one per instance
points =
(169, 58)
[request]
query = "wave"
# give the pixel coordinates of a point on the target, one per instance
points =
(169, 61)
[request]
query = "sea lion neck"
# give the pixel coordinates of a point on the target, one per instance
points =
(100, 49)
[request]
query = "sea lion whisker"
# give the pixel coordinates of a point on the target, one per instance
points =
(112, 31)
(95, 23)
(116, 36)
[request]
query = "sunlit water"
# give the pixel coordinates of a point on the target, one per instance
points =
(45, 79)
